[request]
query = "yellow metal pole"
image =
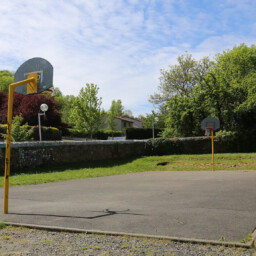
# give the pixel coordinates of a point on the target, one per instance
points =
(212, 151)
(8, 139)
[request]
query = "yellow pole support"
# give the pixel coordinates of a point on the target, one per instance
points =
(32, 79)
(212, 151)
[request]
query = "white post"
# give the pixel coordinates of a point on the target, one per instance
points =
(43, 107)
(39, 125)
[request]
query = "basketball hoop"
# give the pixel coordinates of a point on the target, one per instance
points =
(48, 92)
(211, 124)
(208, 130)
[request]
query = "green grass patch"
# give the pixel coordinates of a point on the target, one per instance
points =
(2, 225)
(238, 161)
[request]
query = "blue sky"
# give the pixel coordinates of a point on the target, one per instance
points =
(120, 45)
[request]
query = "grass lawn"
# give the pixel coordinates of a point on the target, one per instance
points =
(238, 161)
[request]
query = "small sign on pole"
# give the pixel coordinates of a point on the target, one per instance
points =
(209, 125)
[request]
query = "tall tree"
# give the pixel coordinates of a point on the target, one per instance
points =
(227, 92)
(65, 105)
(117, 108)
(180, 79)
(86, 109)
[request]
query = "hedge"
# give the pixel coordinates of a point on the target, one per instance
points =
(48, 133)
(100, 135)
(142, 133)
(223, 143)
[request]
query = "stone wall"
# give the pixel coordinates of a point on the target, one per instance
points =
(32, 154)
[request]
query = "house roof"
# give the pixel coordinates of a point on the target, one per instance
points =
(123, 119)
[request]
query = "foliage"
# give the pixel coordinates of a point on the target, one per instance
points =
(6, 78)
(162, 147)
(142, 133)
(157, 118)
(65, 103)
(117, 108)
(28, 107)
(227, 92)
(19, 133)
(100, 134)
(48, 133)
(3, 130)
(86, 109)
(128, 113)
(180, 79)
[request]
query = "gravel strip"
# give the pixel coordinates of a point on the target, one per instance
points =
(24, 241)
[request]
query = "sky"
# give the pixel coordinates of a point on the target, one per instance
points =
(120, 45)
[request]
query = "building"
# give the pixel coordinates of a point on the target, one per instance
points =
(122, 123)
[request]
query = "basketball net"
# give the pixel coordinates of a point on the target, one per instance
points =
(48, 92)
(208, 131)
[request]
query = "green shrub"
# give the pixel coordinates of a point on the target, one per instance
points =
(100, 135)
(161, 147)
(76, 133)
(142, 133)
(227, 141)
(3, 130)
(48, 133)
(19, 133)
(104, 134)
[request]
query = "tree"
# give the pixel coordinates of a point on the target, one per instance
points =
(65, 103)
(227, 92)
(157, 118)
(128, 113)
(28, 107)
(117, 108)
(180, 79)
(86, 109)
(6, 78)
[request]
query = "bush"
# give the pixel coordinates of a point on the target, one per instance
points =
(100, 135)
(227, 140)
(3, 130)
(76, 133)
(142, 133)
(159, 147)
(19, 133)
(104, 134)
(48, 133)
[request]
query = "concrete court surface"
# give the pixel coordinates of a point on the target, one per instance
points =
(202, 205)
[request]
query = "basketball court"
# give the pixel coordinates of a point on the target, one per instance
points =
(208, 205)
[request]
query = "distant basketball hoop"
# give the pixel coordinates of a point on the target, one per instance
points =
(209, 125)
(208, 130)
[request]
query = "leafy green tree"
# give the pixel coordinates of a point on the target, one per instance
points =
(227, 92)
(6, 78)
(128, 113)
(65, 103)
(110, 121)
(180, 79)
(86, 110)
(117, 108)
(157, 118)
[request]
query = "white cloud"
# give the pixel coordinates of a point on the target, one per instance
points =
(119, 45)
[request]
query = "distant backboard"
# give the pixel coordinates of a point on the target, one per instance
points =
(44, 70)
(210, 122)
